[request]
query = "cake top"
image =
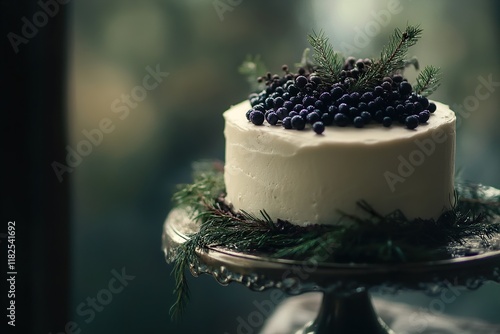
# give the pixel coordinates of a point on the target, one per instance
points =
(333, 90)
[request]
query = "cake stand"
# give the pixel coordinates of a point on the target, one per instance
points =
(346, 306)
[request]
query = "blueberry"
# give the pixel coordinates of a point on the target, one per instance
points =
(423, 101)
(303, 113)
(248, 113)
(432, 107)
(257, 117)
(308, 101)
(282, 112)
(400, 109)
(397, 78)
(387, 86)
(259, 107)
(411, 122)
(293, 90)
(272, 118)
(318, 127)
(358, 122)
(269, 102)
(333, 109)
(362, 106)
(286, 96)
(354, 97)
(366, 116)
(298, 123)
(353, 112)
(288, 105)
(336, 93)
(409, 108)
(387, 121)
(341, 119)
(325, 97)
(378, 90)
(405, 88)
(278, 102)
(343, 108)
(367, 97)
(280, 91)
(327, 119)
(390, 111)
(301, 81)
(287, 122)
(292, 113)
(298, 107)
(310, 108)
(316, 80)
(346, 98)
(319, 105)
(294, 99)
(423, 116)
(372, 106)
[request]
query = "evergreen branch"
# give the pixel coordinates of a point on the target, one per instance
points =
(392, 57)
(428, 80)
(329, 63)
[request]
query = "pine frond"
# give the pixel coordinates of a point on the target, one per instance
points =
(328, 62)
(428, 80)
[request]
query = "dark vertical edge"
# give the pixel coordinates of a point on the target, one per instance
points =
(34, 135)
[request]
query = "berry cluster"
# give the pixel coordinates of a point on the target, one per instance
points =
(297, 99)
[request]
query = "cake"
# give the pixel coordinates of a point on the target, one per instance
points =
(315, 143)
(307, 178)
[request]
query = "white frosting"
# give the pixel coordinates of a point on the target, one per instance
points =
(306, 178)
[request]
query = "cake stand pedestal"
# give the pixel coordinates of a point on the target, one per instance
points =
(346, 307)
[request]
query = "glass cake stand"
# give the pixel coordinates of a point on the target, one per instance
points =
(346, 307)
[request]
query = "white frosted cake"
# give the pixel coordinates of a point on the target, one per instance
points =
(307, 178)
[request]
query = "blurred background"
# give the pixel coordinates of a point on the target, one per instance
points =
(156, 126)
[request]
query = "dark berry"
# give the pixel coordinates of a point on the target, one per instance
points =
(313, 118)
(354, 97)
(327, 119)
(397, 78)
(423, 116)
(257, 117)
(287, 122)
(303, 113)
(390, 111)
(387, 86)
(308, 101)
(372, 106)
(400, 109)
(346, 98)
(282, 112)
(269, 102)
(318, 127)
(367, 97)
(316, 80)
(293, 90)
(292, 113)
(248, 113)
(298, 107)
(301, 81)
(362, 106)
(358, 122)
(310, 108)
(341, 119)
(378, 90)
(344, 108)
(272, 118)
(288, 105)
(353, 112)
(333, 109)
(295, 100)
(411, 122)
(319, 105)
(336, 93)
(432, 107)
(409, 108)
(405, 88)
(298, 123)
(366, 116)
(286, 96)
(259, 107)
(278, 102)
(325, 97)
(387, 121)
(423, 101)
(417, 107)
(379, 115)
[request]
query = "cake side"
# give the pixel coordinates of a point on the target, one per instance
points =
(307, 178)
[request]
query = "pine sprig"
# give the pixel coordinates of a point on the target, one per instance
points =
(392, 57)
(373, 238)
(328, 62)
(428, 80)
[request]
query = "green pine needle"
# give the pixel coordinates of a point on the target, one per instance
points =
(428, 80)
(373, 239)
(328, 62)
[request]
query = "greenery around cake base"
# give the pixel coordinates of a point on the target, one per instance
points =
(376, 239)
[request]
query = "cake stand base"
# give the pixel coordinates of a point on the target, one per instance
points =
(346, 314)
